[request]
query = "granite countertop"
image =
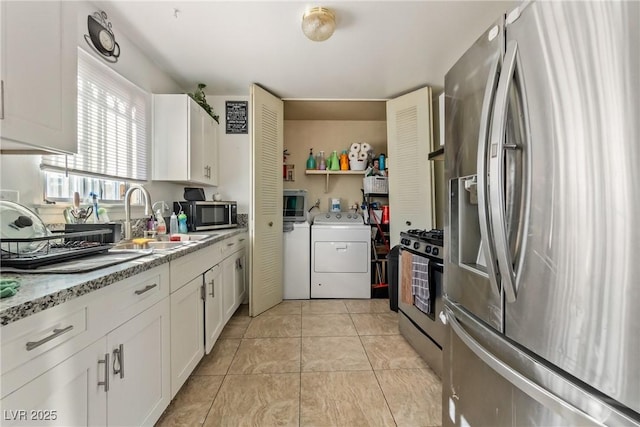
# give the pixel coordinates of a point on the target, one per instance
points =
(41, 291)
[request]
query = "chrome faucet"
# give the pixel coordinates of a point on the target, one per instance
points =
(127, 207)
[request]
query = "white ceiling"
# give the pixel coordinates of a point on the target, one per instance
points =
(379, 49)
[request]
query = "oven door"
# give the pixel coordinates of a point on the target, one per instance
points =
(427, 321)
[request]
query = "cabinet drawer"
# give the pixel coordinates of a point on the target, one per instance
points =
(232, 244)
(134, 295)
(39, 338)
(32, 345)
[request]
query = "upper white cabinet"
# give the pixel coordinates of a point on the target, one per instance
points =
(185, 141)
(39, 76)
(409, 141)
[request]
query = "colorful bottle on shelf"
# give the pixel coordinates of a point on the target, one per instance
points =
(320, 161)
(311, 161)
(334, 164)
(344, 161)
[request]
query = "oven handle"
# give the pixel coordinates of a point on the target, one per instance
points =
(431, 261)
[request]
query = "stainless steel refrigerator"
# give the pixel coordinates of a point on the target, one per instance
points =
(542, 237)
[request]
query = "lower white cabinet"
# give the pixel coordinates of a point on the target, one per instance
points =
(187, 330)
(233, 283)
(73, 393)
(213, 317)
(122, 379)
(241, 278)
(139, 385)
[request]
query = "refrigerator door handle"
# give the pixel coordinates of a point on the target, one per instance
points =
(525, 384)
(483, 207)
(497, 148)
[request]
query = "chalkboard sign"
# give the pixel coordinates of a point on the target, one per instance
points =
(237, 117)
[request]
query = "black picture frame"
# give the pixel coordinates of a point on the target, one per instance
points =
(236, 117)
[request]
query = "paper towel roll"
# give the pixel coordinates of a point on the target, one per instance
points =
(362, 155)
(353, 155)
(355, 147)
(365, 147)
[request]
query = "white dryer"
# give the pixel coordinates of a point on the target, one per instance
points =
(340, 256)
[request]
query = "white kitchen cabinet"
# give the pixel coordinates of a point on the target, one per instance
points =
(214, 320)
(228, 287)
(73, 393)
(185, 141)
(38, 76)
(187, 330)
(409, 141)
(241, 278)
(139, 385)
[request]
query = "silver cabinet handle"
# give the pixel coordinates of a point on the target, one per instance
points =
(105, 383)
(56, 333)
(231, 244)
(213, 288)
(118, 356)
(241, 240)
(483, 202)
(145, 289)
(497, 172)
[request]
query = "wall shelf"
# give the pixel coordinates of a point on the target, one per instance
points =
(327, 173)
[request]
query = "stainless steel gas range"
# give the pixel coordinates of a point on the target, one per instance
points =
(420, 293)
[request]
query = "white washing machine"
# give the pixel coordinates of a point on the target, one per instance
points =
(296, 260)
(340, 256)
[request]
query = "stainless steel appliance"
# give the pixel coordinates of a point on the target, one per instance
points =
(542, 278)
(294, 205)
(420, 293)
(208, 215)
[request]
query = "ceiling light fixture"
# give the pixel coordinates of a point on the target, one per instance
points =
(318, 23)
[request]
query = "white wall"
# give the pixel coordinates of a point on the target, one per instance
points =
(234, 157)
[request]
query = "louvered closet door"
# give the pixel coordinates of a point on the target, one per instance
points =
(409, 136)
(265, 222)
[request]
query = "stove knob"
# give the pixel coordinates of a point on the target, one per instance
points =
(428, 249)
(328, 216)
(349, 216)
(338, 216)
(355, 216)
(416, 245)
(435, 251)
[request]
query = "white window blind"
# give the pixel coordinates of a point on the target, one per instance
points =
(112, 125)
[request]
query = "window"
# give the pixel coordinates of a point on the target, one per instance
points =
(112, 137)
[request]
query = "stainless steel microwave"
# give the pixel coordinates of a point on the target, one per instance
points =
(294, 205)
(202, 215)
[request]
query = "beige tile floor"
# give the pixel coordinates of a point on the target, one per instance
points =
(310, 363)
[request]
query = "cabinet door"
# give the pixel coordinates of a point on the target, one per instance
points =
(39, 76)
(210, 137)
(140, 372)
(198, 171)
(187, 331)
(409, 136)
(228, 287)
(240, 281)
(214, 321)
(265, 218)
(65, 395)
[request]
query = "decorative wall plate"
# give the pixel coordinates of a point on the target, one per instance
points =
(101, 37)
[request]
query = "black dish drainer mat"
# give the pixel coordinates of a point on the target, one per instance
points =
(57, 246)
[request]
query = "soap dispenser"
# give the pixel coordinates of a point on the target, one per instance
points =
(173, 223)
(311, 161)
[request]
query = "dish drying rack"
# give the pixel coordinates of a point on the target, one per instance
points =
(56, 247)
